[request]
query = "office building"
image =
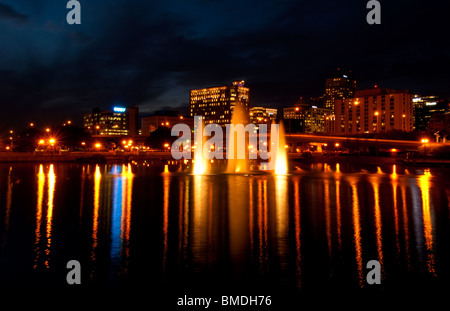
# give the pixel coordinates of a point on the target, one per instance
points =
(374, 110)
(259, 115)
(425, 107)
(216, 104)
(119, 121)
(339, 85)
(305, 118)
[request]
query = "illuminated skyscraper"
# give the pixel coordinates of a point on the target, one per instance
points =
(215, 104)
(339, 86)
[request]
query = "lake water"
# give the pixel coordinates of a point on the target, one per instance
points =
(315, 229)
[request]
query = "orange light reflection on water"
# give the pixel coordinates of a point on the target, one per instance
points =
(424, 185)
(378, 225)
(40, 198)
(51, 192)
(357, 229)
(97, 180)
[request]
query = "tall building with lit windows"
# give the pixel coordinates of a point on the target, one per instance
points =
(339, 85)
(215, 104)
(374, 110)
(117, 122)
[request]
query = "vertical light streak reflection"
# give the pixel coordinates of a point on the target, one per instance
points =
(262, 223)
(250, 215)
(181, 221)
(166, 192)
(83, 178)
(394, 182)
(326, 195)
(97, 180)
(424, 185)
(237, 221)
(51, 192)
(282, 218)
(186, 218)
(405, 225)
(297, 222)
(8, 198)
(40, 199)
(338, 213)
(357, 230)
(199, 225)
(127, 174)
(122, 193)
(378, 225)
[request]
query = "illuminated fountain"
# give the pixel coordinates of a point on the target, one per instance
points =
(236, 165)
(239, 148)
(201, 163)
(281, 162)
(238, 160)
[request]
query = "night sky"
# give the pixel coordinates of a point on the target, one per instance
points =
(151, 53)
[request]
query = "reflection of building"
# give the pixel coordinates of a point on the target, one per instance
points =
(374, 110)
(118, 122)
(216, 104)
(259, 115)
(339, 85)
(304, 118)
(164, 118)
(425, 107)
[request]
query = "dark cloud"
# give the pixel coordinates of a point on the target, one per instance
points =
(8, 13)
(152, 53)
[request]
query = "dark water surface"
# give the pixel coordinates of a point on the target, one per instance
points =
(134, 226)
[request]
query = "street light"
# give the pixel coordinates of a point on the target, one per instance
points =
(12, 139)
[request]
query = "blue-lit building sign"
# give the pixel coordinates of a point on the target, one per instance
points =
(119, 109)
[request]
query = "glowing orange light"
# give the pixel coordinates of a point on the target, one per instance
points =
(377, 113)
(97, 145)
(41, 142)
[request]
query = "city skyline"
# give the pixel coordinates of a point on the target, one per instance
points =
(151, 55)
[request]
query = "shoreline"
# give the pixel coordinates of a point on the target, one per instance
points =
(122, 157)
